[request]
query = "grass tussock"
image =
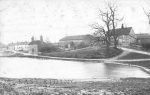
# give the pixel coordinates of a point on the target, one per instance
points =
(129, 86)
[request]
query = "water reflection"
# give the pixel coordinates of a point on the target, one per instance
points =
(39, 68)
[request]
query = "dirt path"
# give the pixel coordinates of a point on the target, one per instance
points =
(124, 53)
(133, 50)
(127, 51)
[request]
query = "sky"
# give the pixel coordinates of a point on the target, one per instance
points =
(54, 19)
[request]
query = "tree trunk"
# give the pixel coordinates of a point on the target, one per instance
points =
(107, 48)
(115, 42)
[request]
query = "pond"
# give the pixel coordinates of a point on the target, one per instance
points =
(60, 69)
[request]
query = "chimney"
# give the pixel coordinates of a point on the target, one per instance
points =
(32, 39)
(122, 26)
(41, 38)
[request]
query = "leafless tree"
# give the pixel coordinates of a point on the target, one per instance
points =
(114, 20)
(147, 14)
(110, 19)
(102, 35)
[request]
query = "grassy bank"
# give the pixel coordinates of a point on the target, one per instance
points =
(139, 63)
(128, 86)
(133, 55)
(89, 53)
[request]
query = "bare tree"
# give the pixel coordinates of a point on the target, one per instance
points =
(110, 19)
(102, 35)
(114, 20)
(147, 14)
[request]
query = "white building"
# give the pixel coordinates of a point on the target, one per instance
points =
(19, 46)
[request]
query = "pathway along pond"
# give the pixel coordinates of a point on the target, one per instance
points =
(60, 69)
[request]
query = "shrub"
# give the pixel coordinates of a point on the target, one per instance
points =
(82, 45)
(49, 48)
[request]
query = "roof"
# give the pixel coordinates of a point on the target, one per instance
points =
(77, 37)
(36, 42)
(143, 36)
(19, 43)
(119, 31)
(123, 31)
(2, 45)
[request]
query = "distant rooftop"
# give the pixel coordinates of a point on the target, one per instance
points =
(119, 31)
(123, 31)
(76, 37)
(36, 42)
(19, 43)
(143, 35)
(2, 45)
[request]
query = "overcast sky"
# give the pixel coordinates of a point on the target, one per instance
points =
(54, 19)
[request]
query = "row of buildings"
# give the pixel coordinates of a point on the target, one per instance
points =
(32, 47)
(126, 37)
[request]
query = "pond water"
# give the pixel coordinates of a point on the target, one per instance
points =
(48, 68)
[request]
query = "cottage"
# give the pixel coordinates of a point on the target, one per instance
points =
(126, 36)
(36, 45)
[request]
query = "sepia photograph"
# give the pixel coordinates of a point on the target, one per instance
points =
(74, 47)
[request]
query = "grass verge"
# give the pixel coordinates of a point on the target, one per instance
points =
(145, 63)
(133, 55)
(88, 53)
